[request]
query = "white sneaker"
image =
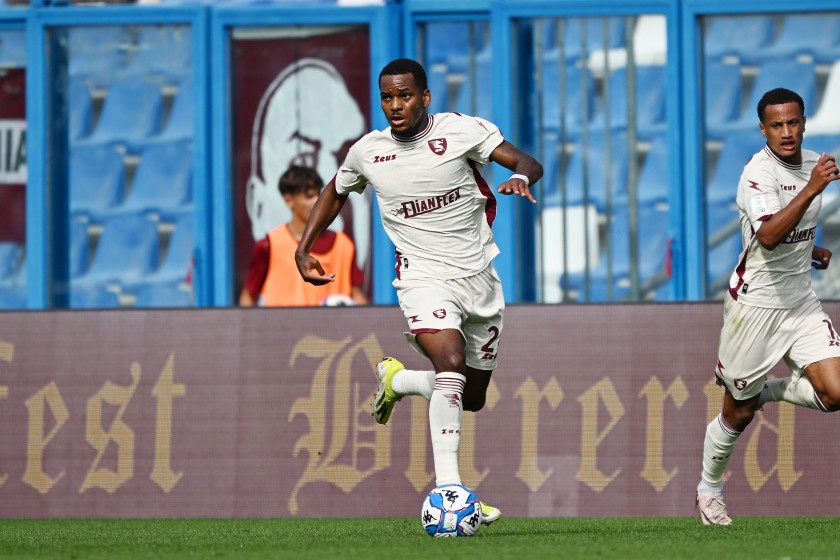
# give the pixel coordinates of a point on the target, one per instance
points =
(712, 509)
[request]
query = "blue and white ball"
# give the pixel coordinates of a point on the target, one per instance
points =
(451, 510)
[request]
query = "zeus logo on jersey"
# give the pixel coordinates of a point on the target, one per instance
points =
(414, 208)
(380, 159)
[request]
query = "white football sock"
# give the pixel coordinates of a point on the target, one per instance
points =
(720, 440)
(445, 413)
(414, 382)
(799, 392)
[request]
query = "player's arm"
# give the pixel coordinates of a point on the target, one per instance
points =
(326, 208)
(508, 155)
(777, 227)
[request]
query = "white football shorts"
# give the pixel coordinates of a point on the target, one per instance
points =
(474, 306)
(754, 339)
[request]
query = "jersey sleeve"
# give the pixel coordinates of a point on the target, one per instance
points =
(759, 192)
(350, 177)
(487, 138)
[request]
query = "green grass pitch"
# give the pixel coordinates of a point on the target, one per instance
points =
(395, 539)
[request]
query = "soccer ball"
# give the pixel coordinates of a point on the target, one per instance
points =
(451, 510)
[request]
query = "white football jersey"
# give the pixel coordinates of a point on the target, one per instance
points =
(780, 278)
(434, 204)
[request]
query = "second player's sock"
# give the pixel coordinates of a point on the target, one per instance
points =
(720, 440)
(799, 392)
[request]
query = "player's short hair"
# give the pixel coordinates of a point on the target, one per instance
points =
(406, 66)
(779, 96)
(298, 179)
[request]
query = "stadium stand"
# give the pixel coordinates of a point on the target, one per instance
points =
(128, 250)
(810, 37)
(177, 263)
(12, 48)
(162, 184)
(131, 114)
(11, 257)
(649, 109)
(826, 119)
(179, 124)
(166, 295)
(578, 105)
(723, 89)
(163, 52)
(590, 187)
(79, 247)
(791, 74)
(93, 297)
(97, 181)
(737, 39)
(80, 110)
(96, 54)
(649, 47)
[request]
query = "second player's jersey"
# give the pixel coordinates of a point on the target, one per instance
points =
(434, 204)
(780, 278)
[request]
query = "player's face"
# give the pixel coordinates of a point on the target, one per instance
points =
(403, 103)
(783, 126)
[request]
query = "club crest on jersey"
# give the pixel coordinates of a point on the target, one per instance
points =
(439, 313)
(438, 145)
(740, 384)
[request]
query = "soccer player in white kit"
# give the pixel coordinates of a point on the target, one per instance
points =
(771, 312)
(437, 210)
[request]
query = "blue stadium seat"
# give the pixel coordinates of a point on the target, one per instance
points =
(799, 76)
(825, 119)
(164, 295)
(436, 78)
(97, 54)
(131, 114)
(162, 183)
(723, 90)
(93, 297)
(11, 259)
(596, 38)
(97, 180)
(650, 102)
(80, 111)
(597, 166)
(179, 125)
(444, 38)
(12, 296)
(128, 250)
(653, 242)
(79, 252)
(722, 258)
(483, 105)
(738, 148)
(579, 99)
(743, 37)
(816, 35)
(177, 264)
(653, 179)
(163, 51)
(12, 48)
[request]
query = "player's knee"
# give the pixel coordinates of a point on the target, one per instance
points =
(739, 419)
(452, 361)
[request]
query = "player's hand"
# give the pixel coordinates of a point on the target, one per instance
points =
(311, 270)
(516, 186)
(820, 258)
(825, 171)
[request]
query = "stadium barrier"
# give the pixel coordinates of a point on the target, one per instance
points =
(593, 411)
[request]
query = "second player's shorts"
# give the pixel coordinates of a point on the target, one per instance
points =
(754, 339)
(474, 306)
